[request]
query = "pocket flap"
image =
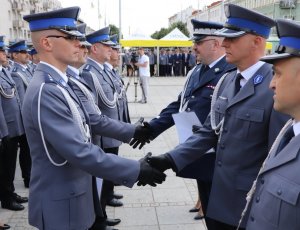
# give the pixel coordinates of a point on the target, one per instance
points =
(284, 189)
(250, 114)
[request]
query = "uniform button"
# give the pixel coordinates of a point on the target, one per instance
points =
(219, 163)
(218, 107)
(252, 218)
(225, 130)
(279, 192)
(247, 115)
(193, 97)
(72, 193)
(125, 182)
(188, 109)
(257, 199)
(262, 180)
(222, 146)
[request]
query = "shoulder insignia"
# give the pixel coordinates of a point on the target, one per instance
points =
(49, 79)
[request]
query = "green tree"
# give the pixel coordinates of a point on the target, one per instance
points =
(181, 26)
(113, 29)
(164, 31)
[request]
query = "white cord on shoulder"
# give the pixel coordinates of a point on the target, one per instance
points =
(253, 188)
(183, 104)
(110, 104)
(41, 130)
(8, 96)
(84, 129)
(87, 93)
(24, 79)
(217, 127)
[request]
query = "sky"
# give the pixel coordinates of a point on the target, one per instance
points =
(137, 16)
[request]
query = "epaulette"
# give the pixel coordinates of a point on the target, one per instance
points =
(87, 67)
(49, 79)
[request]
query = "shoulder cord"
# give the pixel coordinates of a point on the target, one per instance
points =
(7, 95)
(111, 77)
(26, 82)
(183, 104)
(87, 93)
(110, 104)
(273, 148)
(217, 127)
(84, 129)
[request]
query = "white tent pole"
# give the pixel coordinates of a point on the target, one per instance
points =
(157, 62)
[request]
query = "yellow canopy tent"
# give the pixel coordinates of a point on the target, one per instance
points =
(139, 40)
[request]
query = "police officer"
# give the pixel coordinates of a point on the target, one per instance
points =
(275, 198)
(242, 124)
(57, 128)
(11, 106)
(34, 59)
(22, 75)
(196, 98)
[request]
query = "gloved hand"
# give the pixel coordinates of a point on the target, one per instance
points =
(142, 134)
(5, 139)
(161, 162)
(195, 128)
(148, 174)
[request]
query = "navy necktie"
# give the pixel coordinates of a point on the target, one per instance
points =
(237, 86)
(289, 134)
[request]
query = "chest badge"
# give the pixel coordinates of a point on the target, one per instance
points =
(258, 79)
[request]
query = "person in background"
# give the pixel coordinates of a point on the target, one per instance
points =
(144, 74)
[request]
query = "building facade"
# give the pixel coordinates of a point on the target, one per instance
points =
(12, 25)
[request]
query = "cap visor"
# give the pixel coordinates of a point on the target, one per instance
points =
(197, 38)
(86, 43)
(72, 32)
(109, 43)
(116, 47)
(274, 57)
(229, 33)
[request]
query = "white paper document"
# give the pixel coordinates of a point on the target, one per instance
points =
(99, 182)
(184, 122)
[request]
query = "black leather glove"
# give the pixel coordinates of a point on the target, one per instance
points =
(195, 128)
(142, 134)
(5, 139)
(148, 174)
(161, 162)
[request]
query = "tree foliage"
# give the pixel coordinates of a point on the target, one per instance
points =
(113, 29)
(164, 31)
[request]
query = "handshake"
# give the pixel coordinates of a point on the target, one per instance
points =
(142, 134)
(152, 169)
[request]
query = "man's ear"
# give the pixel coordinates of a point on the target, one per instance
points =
(46, 43)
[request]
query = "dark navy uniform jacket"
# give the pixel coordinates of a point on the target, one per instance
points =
(198, 94)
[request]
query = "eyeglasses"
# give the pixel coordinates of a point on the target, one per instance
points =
(69, 37)
(23, 52)
(202, 41)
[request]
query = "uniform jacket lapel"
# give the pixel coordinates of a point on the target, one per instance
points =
(211, 73)
(289, 153)
(78, 78)
(249, 88)
(97, 70)
(57, 78)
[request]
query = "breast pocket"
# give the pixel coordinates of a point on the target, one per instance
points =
(248, 123)
(281, 198)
